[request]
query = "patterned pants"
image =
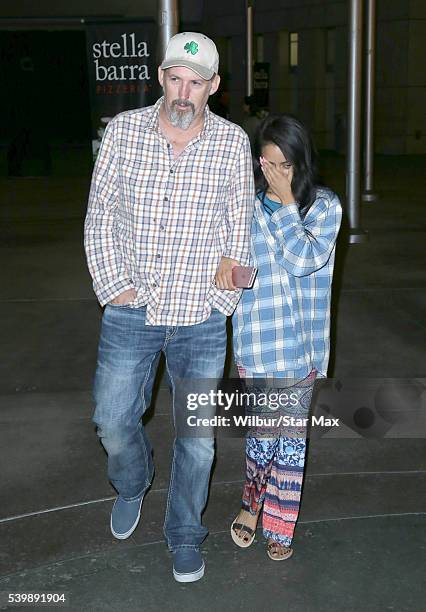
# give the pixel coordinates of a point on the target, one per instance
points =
(275, 468)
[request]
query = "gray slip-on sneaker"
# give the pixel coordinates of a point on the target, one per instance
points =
(125, 517)
(188, 565)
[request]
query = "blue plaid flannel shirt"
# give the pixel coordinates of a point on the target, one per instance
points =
(282, 325)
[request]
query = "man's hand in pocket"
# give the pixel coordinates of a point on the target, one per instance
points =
(125, 298)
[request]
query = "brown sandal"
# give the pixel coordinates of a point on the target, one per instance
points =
(241, 540)
(274, 551)
(244, 529)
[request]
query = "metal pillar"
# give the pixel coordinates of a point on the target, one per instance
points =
(368, 194)
(249, 47)
(356, 234)
(168, 22)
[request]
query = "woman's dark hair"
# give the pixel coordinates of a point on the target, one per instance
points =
(294, 141)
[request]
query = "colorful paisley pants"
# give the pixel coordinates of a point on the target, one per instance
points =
(275, 467)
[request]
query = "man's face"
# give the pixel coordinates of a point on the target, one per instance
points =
(185, 94)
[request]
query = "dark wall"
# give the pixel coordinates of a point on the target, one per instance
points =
(44, 85)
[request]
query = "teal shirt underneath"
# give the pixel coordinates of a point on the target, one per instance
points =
(269, 205)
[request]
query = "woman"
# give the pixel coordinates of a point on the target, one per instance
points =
(281, 325)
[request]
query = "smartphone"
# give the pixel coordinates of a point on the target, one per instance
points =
(243, 276)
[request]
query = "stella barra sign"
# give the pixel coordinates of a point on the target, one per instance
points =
(127, 49)
(122, 71)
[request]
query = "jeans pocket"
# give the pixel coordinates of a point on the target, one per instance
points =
(119, 305)
(218, 313)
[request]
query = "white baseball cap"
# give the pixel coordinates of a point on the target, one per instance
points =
(194, 51)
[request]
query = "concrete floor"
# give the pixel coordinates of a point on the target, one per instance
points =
(360, 540)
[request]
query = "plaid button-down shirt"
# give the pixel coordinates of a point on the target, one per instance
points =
(281, 326)
(161, 225)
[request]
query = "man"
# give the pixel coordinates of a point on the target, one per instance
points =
(168, 217)
(251, 119)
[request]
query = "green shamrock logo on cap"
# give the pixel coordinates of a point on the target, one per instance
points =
(191, 47)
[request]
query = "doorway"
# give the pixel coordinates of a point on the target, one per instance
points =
(45, 103)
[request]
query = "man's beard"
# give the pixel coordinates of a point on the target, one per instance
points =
(181, 119)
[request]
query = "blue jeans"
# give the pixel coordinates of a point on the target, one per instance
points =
(128, 356)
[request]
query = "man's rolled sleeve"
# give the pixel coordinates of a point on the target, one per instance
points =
(239, 211)
(102, 249)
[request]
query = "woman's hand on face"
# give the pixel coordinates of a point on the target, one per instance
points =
(279, 181)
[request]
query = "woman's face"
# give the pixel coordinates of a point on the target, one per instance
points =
(274, 156)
